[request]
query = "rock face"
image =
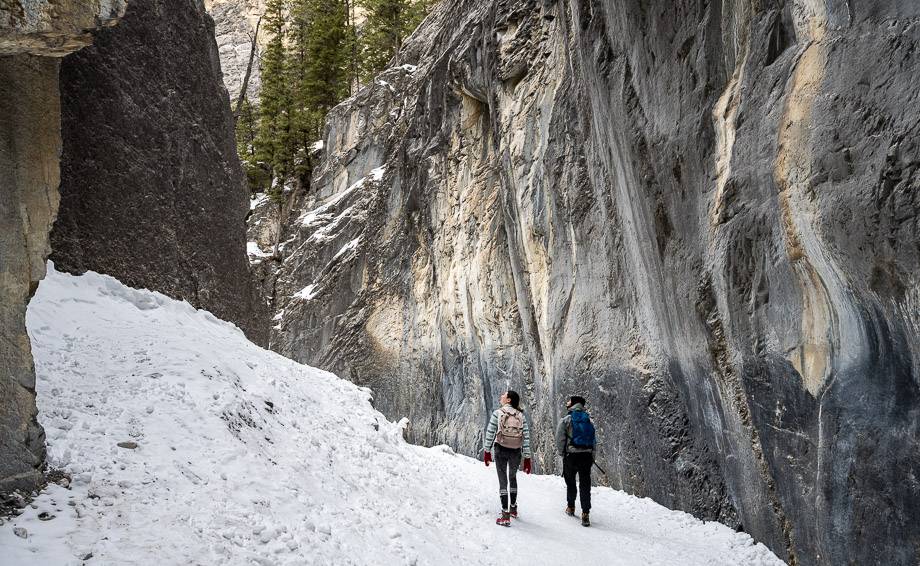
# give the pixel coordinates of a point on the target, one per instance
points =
(235, 25)
(53, 27)
(32, 36)
(29, 148)
(151, 187)
(703, 216)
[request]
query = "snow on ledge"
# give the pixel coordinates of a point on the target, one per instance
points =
(254, 251)
(256, 200)
(307, 292)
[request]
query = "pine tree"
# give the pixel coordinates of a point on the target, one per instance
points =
(312, 61)
(320, 53)
(247, 127)
(272, 146)
(388, 24)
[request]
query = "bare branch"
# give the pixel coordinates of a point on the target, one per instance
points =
(245, 86)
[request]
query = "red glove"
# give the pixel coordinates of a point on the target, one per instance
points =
(527, 465)
(487, 457)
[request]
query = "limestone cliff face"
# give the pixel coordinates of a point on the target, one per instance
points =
(235, 25)
(152, 190)
(32, 37)
(703, 216)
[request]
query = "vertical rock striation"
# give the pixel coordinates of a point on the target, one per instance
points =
(152, 190)
(33, 35)
(703, 216)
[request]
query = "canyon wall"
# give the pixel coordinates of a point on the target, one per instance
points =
(33, 37)
(702, 216)
(152, 190)
(235, 27)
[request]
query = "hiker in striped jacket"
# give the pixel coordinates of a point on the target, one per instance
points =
(509, 433)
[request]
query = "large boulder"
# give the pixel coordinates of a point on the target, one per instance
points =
(152, 190)
(701, 215)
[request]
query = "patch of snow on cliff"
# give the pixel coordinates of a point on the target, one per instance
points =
(254, 251)
(188, 444)
(321, 214)
(377, 174)
(257, 199)
(347, 248)
(326, 232)
(382, 82)
(307, 292)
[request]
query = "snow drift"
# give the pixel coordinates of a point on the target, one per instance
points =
(187, 444)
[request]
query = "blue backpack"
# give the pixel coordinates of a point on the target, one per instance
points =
(582, 430)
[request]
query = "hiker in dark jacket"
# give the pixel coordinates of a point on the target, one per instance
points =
(576, 446)
(509, 433)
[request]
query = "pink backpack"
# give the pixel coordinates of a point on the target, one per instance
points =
(510, 428)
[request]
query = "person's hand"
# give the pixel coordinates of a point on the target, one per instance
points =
(528, 465)
(487, 457)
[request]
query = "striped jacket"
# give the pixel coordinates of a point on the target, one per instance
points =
(492, 430)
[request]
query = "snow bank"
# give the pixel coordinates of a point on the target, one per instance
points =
(255, 252)
(230, 454)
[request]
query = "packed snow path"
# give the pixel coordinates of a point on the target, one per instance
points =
(231, 454)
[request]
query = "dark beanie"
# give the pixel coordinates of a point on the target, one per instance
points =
(578, 399)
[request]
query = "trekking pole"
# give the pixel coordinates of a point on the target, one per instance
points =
(603, 471)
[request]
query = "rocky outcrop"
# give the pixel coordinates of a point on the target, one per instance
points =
(703, 216)
(152, 190)
(32, 37)
(53, 27)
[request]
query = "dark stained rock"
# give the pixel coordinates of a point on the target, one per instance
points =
(704, 216)
(152, 191)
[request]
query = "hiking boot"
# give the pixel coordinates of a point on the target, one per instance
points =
(504, 520)
(570, 511)
(514, 512)
(585, 520)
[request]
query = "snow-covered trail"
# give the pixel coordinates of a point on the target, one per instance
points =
(236, 455)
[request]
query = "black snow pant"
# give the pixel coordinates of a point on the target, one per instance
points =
(578, 463)
(507, 461)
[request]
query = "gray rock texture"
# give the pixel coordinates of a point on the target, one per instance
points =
(234, 27)
(30, 143)
(33, 35)
(53, 27)
(152, 190)
(701, 215)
